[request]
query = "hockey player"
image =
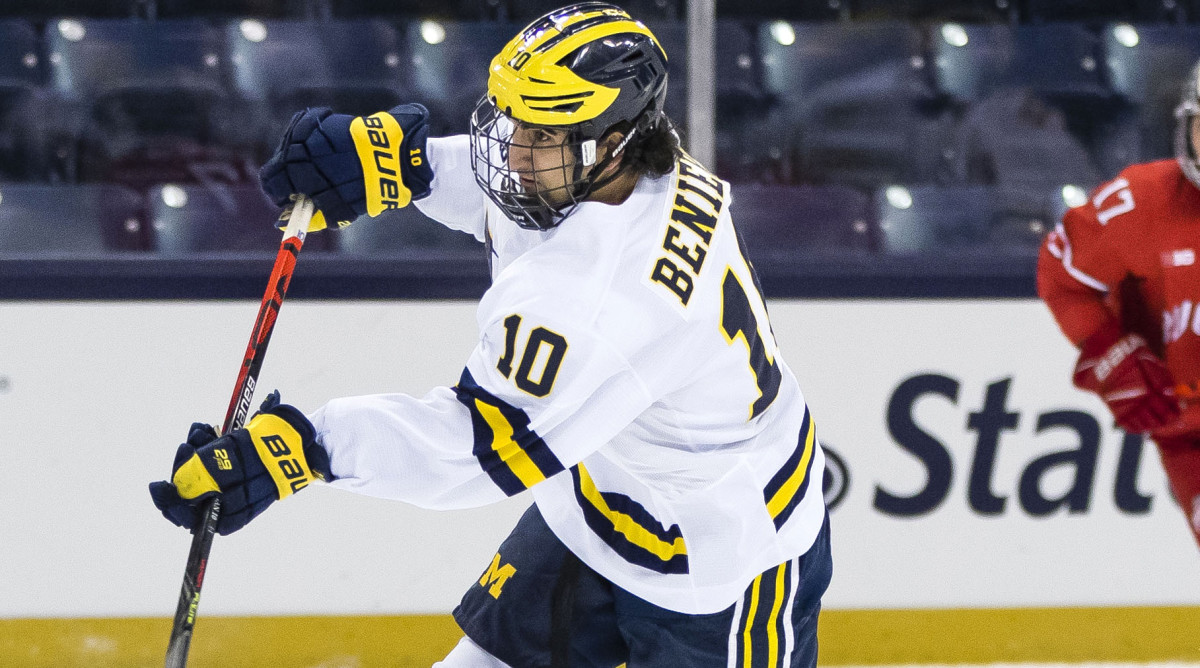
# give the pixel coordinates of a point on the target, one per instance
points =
(626, 374)
(1121, 276)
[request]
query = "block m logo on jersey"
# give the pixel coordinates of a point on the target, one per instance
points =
(496, 575)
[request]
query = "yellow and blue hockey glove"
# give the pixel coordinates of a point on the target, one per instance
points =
(351, 165)
(273, 457)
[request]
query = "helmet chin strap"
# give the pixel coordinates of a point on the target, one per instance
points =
(543, 215)
(594, 185)
(590, 185)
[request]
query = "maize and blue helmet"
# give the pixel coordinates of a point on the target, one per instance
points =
(584, 68)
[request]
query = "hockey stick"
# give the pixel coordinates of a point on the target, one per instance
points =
(239, 405)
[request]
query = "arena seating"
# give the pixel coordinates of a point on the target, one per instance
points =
(975, 11)
(1145, 65)
(448, 64)
(403, 231)
(69, 220)
(817, 100)
(925, 218)
(1103, 10)
(191, 219)
(224, 9)
(41, 10)
(22, 66)
(461, 10)
(526, 10)
(854, 103)
(1010, 218)
(799, 10)
(738, 79)
(22, 75)
(280, 66)
(809, 220)
(123, 86)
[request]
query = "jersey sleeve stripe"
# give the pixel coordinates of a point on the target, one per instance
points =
(788, 486)
(1067, 256)
(512, 454)
(507, 449)
(629, 529)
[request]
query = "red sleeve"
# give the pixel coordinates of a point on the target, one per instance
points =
(1080, 261)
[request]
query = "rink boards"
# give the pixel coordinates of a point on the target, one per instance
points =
(978, 496)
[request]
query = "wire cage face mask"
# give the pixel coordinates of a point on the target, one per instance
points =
(535, 185)
(1188, 109)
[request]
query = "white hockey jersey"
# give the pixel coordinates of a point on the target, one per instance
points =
(627, 374)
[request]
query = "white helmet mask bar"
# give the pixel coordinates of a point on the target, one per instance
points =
(529, 206)
(1185, 142)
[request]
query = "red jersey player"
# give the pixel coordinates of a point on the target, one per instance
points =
(1121, 276)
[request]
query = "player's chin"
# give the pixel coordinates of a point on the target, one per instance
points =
(555, 197)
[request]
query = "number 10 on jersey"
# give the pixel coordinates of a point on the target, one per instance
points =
(542, 344)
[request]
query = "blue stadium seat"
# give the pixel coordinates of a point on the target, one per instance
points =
(1006, 219)
(1013, 137)
(672, 35)
(48, 221)
(93, 58)
(789, 220)
(796, 10)
(282, 66)
(738, 77)
(1024, 214)
(278, 59)
(22, 66)
(188, 219)
(752, 133)
(1096, 11)
(969, 60)
(972, 11)
(448, 65)
(872, 145)
(125, 84)
(174, 9)
(933, 218)
(406, 230)
(524, 11)
(44, 9)
(1059, 60)
(1147, 65)
(454, 10)
(22, 74)
(755, 148)
(1055, 60)
(854, 100)
(806, 60)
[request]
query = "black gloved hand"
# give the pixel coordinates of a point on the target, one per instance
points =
(351, 165)
(274, 456)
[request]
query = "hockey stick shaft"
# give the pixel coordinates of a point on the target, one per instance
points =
(235, 416)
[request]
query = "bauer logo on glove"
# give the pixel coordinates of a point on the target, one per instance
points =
(273, 457)
(378, 138)
(1120, 368)
(351, 166)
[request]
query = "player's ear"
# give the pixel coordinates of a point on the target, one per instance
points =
(608, 144)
